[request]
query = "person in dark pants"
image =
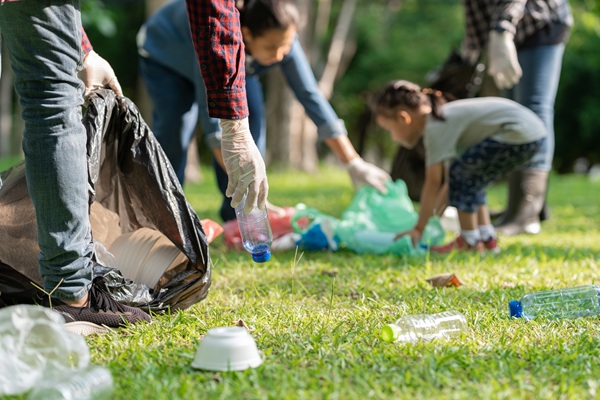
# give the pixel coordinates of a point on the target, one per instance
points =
(48, 47)
(525, 41)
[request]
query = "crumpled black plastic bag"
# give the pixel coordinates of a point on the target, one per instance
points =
(130, 175)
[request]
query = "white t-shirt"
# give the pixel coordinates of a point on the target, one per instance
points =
(470, 121)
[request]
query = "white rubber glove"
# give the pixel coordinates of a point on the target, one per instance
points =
(363, 173)
(97, 73)
(503, 66)
(244, 165)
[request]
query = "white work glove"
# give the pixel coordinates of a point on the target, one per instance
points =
(244, 165)
(503, 66)
(97, 73)
(363, 173)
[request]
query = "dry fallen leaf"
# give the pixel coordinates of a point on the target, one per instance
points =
(444, 280)
(242, 324)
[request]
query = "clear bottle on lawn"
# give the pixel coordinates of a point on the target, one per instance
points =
(255, 230)
(573, 302)
(426, 327)
(91, 383)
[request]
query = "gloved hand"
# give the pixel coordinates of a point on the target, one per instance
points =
(244, 165)
(96, 73)
(363, 173)
(503, 66)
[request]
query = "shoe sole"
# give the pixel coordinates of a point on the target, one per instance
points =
(85, 328)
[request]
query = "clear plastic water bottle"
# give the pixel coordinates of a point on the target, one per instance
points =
(574, 302)
(256, 231)
(426, 327)
(91, 383)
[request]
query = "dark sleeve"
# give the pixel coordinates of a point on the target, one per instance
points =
(217, 37)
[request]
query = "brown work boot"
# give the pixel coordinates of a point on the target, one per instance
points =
(527, 191)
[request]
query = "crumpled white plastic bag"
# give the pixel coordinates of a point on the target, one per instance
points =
(35, 347)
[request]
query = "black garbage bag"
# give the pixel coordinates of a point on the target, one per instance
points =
(133, 188)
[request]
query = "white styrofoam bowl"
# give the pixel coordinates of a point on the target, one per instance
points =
(227, 349)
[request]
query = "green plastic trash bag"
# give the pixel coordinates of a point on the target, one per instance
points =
(368, 225)
(372, 210)
(373, 219)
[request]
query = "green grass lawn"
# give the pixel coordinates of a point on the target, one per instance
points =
(317, 317)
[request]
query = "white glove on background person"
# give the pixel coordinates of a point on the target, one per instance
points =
(97, 73)
(504, 65)
(244, 165)
(364, 173)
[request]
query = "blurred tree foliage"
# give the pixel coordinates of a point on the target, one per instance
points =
(402, 42)
(399, 39)
(112, 26)
(577, 118)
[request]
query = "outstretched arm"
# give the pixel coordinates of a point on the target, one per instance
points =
(330, 128)
(360, 171)
(428, 201)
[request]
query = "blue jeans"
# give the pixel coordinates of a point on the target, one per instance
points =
(44, 43)
(537, 91)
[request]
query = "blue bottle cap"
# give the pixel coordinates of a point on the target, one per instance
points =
(262, 256)
(514, 307)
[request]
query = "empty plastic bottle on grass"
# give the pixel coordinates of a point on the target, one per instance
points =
(574, 302)
(426, 327)
(91, 383)
(255, 230)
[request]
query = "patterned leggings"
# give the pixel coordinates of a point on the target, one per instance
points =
(481, 165)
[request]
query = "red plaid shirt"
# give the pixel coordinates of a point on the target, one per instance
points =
(86, 46)
(219, 45)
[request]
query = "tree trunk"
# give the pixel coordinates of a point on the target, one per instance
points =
(291, 136)
(307, 131)
(336, 49)
(281, 148)
(321, 25)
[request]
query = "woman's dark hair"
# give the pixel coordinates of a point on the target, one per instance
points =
(260, 16)
(408, 95)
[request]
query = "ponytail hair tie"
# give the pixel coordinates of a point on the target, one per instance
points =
(436, 93)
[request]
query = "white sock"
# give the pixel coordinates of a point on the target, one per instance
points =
(487, 232)
(471, 237)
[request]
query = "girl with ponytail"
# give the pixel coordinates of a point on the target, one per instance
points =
(474, 140)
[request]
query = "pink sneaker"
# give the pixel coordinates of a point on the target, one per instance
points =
(491, 245)
(458, 244)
